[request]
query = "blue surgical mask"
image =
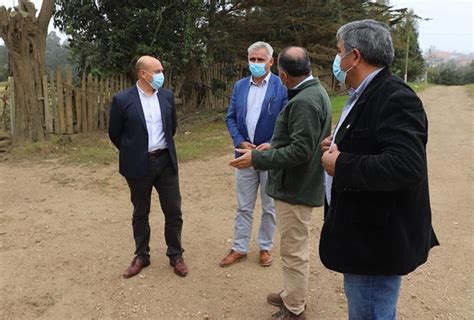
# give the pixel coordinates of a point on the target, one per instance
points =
(157, 81)
(257, 69)
(336, 68)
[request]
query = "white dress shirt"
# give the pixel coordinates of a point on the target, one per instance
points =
(154, 123)
(353, 97)
(310, 77)
(254, 104)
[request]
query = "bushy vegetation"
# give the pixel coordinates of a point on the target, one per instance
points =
(450, 73)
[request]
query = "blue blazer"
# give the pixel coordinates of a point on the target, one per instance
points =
(128, 132)
(274, 101)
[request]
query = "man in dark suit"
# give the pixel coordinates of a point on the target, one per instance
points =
(142, 126)
(377, 223)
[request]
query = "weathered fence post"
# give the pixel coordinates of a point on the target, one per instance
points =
(48, 120)
(60, 101)
(84, 104)
(68, 100)
(11, 86)
(90, 103)
(54, 107)
(77, 103)
(101, 104)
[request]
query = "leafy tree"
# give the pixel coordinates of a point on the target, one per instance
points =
(449, 73)
(405, 36)
(57, 54)
(107, 36)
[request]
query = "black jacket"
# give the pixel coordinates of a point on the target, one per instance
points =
(379, 220)
(128, 132)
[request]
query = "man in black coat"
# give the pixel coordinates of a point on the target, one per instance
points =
(142, 126)
(377, 217)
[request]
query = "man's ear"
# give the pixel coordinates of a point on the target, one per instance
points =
(358, 56)
(270, 62)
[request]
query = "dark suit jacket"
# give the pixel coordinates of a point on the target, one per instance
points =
(274, 101)
(379, 220)
(127, 130)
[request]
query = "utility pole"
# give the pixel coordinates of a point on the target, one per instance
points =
(406, 57)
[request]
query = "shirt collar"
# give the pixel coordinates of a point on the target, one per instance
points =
(264, 82)
(310, 77)
(140, 90)
(355, 93)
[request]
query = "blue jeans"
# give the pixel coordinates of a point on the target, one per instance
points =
(247, 183)
(371, 297)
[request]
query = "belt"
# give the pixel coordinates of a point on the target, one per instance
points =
(156, 153)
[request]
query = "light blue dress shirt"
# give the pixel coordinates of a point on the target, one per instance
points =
(254, 104)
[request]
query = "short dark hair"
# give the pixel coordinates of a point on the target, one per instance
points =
(295, 61)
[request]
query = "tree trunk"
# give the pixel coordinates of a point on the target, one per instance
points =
(24, 35)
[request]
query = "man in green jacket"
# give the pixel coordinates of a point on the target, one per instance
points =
(295, 176)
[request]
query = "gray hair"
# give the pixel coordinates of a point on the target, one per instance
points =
(371, 38)
(260, 44)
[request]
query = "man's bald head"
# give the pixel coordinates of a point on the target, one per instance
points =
(295, 61)
(147, 63)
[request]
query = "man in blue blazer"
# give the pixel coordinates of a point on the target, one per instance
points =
(255, 104)
(142, 126)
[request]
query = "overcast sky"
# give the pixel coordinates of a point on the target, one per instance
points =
(451, 27)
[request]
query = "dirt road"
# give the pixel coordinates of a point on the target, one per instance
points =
(65, 239)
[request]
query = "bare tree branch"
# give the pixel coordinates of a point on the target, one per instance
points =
(47, 10)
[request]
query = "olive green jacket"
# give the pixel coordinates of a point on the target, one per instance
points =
(294, 161)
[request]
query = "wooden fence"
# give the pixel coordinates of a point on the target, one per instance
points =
(84, 107)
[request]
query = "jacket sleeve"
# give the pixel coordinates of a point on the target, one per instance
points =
(304, 129)
(402, 134)
(231, 120)
(283, 97)
(115, 123)
(174, 120)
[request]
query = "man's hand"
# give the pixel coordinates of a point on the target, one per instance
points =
(247, 145)
(326, 143)
(263, 147)
(329, 159)
(244, 161)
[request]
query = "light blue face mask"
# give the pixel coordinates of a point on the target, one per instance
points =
(157, 81)
(336, 68)
(257, 69)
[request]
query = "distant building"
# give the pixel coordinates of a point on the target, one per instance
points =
(434, 57)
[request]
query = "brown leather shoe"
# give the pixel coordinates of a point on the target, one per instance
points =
(136, 266)
(179, 266)
(231, 258)
(285, 314)
(275, 299)
(266, 258)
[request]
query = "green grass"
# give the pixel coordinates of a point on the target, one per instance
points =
(419, 86)
(202, 139)
(337, 104)
(199, 139)
(470, 90)
(92, 148)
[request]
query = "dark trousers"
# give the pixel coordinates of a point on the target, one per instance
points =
(163, 177)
